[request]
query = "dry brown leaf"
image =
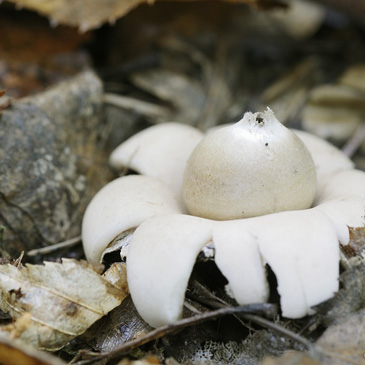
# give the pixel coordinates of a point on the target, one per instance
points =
(60, 163)
(94, 13)
(123, 324)
(77, 13)
(146, 361)
(291, 358)
(356, 246)
(4, 100)
(13, 352)
(348, 300)
(55, 302)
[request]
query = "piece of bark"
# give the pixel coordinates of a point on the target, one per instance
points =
(51, 163)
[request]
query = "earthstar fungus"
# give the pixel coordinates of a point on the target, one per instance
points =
(300, 242)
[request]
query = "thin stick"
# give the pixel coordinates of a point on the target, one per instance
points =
(165, 330)
(55, 247)
(282, 330)
(354, 142)
(140, 106)
(213, 303)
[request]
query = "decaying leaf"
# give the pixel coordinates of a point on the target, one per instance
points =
(13, 352)
(119, 244)
(287, 94)
(55, 302)
(95, 13)
(254, 349)
(146, 361)
(292, 358)
(166, 85)
(300, 19)
(123, 324)
(356, 246)
(344, 343)
(4, 101)
(349, 299)
(337, 110)
(50, 163)
(77, 13)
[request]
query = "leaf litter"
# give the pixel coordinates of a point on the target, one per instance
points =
(342, 313)
(53, 303)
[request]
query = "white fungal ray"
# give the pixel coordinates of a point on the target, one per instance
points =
(238, 257)
(160, 151)
(343, 184)
(344, 212)
(160, 260)
(301, 247)
(120, 205)
(342, 198)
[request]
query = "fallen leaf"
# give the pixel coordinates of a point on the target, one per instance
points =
(55, 302)
(335, 111)
(166, 85)
(13, 352)
(348, 300)
(145, 361)
(51, 163)
(96, 12)
(287, 93)
(123, 324)
(356, 246)
(344, 343)
(77, 13)
(4, 102)
(291, 358)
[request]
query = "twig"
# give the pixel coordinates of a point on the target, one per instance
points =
(353, 144)
(191, 308)
(55, 247)
(282, 330)
(142, 107)
(166, 330)
(215, 302)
